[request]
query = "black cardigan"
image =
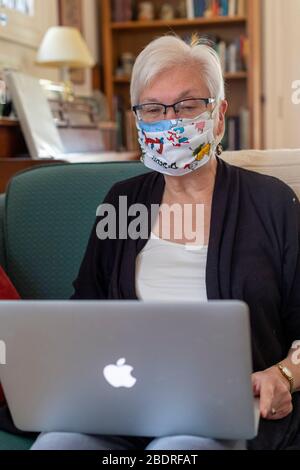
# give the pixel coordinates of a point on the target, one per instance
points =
(253, 255)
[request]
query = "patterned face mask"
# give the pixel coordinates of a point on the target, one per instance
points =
(177, 147)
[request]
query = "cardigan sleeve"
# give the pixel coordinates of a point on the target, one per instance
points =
(291, 269)
(91, 281)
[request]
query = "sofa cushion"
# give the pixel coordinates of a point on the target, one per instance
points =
(283, 164)
(12, 442)
(50, 211)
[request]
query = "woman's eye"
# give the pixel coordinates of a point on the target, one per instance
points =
(187, 108)
(153, 110)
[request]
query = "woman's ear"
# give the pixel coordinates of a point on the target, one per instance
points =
(223, 106)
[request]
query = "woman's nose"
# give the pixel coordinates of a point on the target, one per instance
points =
(170, 113)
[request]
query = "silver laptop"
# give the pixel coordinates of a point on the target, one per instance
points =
(129, 367)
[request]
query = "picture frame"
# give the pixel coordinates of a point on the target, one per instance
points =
(71, 14)
(22, 22)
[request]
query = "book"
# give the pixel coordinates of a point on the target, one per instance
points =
(232, 137)
(224, 7)
(221, 49)
(244, 128)
(199, 8)
(234, 133)
(190, 11)
(232, 7)
(215, 8)
(208, 12)
(241, 8)
(122, 10)
(232, 54)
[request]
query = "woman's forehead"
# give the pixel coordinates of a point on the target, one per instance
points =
(175, 84)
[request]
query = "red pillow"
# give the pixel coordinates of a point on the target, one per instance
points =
(7, 292)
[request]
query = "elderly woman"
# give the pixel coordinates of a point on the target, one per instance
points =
(245, 247)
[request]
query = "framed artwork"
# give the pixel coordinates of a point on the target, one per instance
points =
(71, 14)
(23, 21)
(23, 6)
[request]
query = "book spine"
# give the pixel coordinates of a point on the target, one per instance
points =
(215, 8)
(122, 10)
(222, 54)
(190, 9)
(241, 8)
(232, 10)
(244, 129)
(232, 58)
(233, 133)
(208, 9)
(224, 8)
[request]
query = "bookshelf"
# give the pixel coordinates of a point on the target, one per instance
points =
(243, 86)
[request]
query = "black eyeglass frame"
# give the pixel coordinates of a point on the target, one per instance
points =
(138, 107)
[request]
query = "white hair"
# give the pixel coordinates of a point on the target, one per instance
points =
(169, 51)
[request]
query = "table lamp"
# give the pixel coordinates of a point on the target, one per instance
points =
(64, 48)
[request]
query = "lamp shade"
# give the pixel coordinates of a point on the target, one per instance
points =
(64, 47)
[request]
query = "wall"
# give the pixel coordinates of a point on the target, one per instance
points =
(281, 68)
(17, 54)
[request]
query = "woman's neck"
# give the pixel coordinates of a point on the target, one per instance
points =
(195, 184)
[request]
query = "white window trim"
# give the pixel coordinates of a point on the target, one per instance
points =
(24, 29)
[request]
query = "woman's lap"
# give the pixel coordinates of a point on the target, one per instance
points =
(70, 441)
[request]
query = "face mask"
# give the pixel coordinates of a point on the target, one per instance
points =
(177, 147)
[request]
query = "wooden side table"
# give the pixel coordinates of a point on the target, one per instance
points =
(14, 155)
(11, 139)
(10, 166)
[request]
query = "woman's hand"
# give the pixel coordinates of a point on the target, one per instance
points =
(274, 393)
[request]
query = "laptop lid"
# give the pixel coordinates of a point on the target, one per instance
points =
(129, 367)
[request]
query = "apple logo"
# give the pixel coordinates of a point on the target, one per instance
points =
(119, 374)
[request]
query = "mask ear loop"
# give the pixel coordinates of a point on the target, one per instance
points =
(214, 111)
(219, 148)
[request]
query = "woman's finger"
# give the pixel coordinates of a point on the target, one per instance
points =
(266, 399)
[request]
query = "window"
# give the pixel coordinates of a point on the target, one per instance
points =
(24, 21)
(23, 6)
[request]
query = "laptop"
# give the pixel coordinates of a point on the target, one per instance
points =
(129, 368)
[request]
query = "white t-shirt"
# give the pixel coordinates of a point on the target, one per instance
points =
(171, 271)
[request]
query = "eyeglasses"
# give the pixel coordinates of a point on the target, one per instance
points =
(188, 108)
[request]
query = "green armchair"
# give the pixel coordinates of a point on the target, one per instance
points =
(47, 214)
(46, 217)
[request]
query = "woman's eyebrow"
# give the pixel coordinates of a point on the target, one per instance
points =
(184, 94)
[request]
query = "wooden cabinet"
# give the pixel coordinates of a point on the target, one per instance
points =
(12, 142)
(243, 88)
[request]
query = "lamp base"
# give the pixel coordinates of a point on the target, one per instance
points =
(68, 85)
